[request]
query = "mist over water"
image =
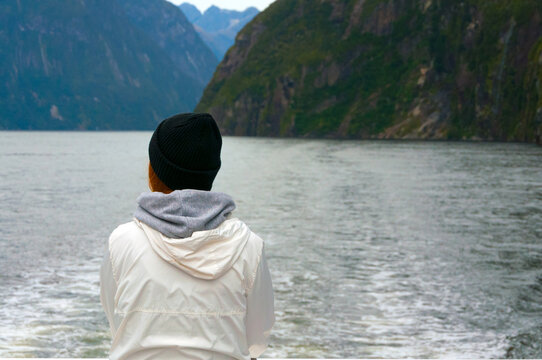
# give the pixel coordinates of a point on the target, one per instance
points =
(377, 249)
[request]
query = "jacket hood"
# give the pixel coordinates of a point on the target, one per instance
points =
(182, 212)
(191, 230)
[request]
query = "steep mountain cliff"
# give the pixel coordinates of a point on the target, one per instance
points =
(384, 69)
(170, 29)
(85, 65)
(218, 27)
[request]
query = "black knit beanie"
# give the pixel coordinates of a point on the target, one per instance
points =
(184, 151)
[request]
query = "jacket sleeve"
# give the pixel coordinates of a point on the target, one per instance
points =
(260, 310)
(108, 290)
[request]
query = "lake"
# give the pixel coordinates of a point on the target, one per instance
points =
(376, 248)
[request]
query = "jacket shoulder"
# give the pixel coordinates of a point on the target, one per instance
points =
(125, 243)
(123, 230)
(254, 242)
(252, 254)
(124, 240)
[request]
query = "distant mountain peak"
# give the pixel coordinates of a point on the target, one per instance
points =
(218, 27)
(191, 12)
(251, 9)
(213, 8)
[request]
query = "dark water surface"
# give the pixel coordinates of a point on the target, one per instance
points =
(377, 249)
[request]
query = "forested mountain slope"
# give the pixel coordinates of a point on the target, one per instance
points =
(86, 65)
(423, 69)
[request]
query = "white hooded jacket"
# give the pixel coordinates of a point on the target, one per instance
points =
(206, 296)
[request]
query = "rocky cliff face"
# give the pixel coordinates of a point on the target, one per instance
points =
(85, 65)
(424, 69)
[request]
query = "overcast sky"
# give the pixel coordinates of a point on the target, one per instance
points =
(202, 5)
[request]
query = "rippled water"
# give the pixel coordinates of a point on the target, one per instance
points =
(377, 249)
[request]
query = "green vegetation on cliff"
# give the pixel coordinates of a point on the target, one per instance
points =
(384, 69)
